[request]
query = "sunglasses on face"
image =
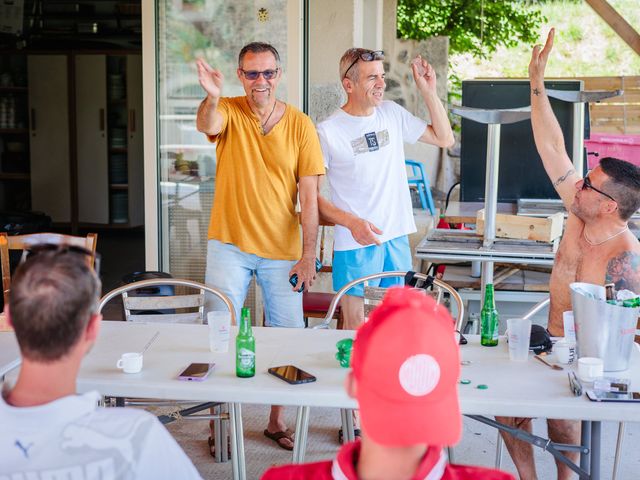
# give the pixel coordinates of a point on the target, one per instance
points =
(586, 183)
(254, 74)
(64, 249)
(366, 56)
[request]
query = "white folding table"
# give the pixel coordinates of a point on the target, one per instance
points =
(514, 389)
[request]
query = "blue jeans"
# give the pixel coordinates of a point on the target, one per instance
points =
(229, 270)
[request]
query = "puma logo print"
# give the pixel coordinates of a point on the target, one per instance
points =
(25, 449)
(76, 436)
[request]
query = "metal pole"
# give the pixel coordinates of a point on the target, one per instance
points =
(490, 197)
(595, 450)
(491, 183)
(578, 138)
(585, 440)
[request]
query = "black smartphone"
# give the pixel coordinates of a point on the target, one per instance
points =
(196, 372)
(291, 374)
(293, 279)
(599, 396)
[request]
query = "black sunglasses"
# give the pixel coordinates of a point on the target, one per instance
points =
(366, 56)
(254, 74)
(586, 183)
(63, 249)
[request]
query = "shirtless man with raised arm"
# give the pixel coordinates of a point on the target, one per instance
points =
(597, 246)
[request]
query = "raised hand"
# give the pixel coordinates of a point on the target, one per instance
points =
(210, 79)
(423, 74)
(539, 58)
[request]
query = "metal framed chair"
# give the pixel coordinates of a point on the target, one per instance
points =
(10, 243)
(302, 423)
(181, 308)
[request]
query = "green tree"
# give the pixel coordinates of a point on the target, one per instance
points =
(478, 27)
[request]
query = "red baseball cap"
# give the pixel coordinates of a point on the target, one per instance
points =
(406, 363)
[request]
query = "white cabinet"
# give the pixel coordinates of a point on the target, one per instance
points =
(49, 136)
(109, 138)
(105, 127)
(91, 138)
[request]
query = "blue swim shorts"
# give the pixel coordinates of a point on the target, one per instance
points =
(392, 255)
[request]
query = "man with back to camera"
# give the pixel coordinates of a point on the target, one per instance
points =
(363, 147)
(47, 430)
(267, 153)
(596, 247)
(405, 367)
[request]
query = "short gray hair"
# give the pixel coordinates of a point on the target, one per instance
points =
(349, 62)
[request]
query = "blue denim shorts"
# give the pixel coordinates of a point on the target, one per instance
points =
(392, 255)
(229, 270)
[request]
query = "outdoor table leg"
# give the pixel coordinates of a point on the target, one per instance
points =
(595, 450)
(237, 442)
(302, 427)
(585, 439)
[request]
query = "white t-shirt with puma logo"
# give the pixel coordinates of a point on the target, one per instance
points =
(73, 438)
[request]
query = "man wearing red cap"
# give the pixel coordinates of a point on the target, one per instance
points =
(405, 369)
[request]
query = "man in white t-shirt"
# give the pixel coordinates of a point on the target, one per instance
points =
(363, 147)
(46, 430)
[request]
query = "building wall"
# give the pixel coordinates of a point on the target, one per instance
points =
(333, 30)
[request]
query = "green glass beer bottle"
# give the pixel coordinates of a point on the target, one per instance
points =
(489, 319)
(245, 347)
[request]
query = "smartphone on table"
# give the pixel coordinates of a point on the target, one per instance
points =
(196, 372)
(291, 374)
(599, 396)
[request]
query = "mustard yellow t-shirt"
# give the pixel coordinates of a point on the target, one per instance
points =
(256, 179)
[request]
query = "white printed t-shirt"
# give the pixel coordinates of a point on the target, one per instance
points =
(364, 157)
(73, 438)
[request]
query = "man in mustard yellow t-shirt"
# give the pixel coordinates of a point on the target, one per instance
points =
(268, 153)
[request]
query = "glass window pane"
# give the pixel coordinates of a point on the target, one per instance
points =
(216, 31)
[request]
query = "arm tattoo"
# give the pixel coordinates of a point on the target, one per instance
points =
(536, 92)
(624, 271)
(561, 179)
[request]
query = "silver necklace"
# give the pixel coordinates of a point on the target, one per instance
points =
(269, 117)
(584, 234)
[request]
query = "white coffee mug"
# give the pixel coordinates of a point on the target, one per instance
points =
(130, 362)
(590, 368)
(565, 351)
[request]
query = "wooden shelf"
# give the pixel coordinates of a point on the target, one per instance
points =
(119, 186)
(15, 176)
(117, 149)
(14, 131)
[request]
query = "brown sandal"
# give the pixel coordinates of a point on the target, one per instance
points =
(212, 446)
(278, 436)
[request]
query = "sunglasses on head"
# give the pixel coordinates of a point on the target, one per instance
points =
(254, 74)
(64, 249)
(586, 183)
(366, 56)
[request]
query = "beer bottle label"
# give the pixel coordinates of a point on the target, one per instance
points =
(247, 358)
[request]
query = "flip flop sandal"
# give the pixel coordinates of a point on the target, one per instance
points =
(356, 434)
(278, 436)
(212, 446)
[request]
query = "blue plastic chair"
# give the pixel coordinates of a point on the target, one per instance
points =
(421, 181)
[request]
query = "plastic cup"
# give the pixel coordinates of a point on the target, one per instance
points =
(590, 368)
(219, 330)
(565, 351)
(519, 336)
(130, 362)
